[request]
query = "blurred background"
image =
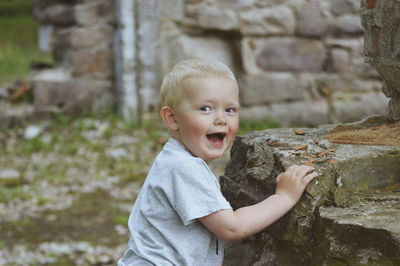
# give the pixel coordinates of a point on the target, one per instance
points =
(79, 85)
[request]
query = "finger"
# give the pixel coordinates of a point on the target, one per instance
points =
(303, 170)
(307, 179)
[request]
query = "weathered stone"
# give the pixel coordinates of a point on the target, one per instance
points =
(185, 47)
(286, 54)
(272, 88)
(341, 7)
(340, 60)
(310, 113)
(310, 21)
(57, 14)
(271, 3)
(87, 37)
(249, 49)
(382, 35)
(10, 177)
(269, 21)
(211, 18)
(348, 24)
(171, 9)
(360, 106)
(94, 13)
(236, 5)
(92, 63)
(340, 219)
(73, 96)
(345, 82)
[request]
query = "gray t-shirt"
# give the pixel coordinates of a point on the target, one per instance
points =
(164, 225)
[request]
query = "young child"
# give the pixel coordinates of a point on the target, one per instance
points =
(180, 216)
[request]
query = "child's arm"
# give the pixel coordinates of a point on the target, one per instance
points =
(235, 225)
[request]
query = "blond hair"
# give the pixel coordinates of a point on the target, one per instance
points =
(171, 88)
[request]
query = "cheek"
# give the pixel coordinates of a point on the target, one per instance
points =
(234, 126)
(196, 127)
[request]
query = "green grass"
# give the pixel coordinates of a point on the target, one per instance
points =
(19, 40)
(248, 125)
(76, 152)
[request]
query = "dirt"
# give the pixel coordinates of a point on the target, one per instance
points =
(387, 134)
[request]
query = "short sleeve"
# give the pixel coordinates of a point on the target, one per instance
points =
(196, 193)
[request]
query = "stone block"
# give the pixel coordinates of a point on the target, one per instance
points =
(249, 50)
(73, 96)
(307, 113)
(288, 54)
(183, 47)
(171, 9)
(209, 17)
(346, 83)
(340, 60)
(272, 88)
(235, 5)
(352, 109)
(95, 13)
(310, 113)
(86, 37)
(268, 21)
(57, 14)
(350, 24)
(92, 63)
(310, 21)
(341, 7)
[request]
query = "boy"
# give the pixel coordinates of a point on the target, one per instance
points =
(180, 216)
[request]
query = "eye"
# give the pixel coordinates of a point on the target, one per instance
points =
(205, 108)
(231, 110)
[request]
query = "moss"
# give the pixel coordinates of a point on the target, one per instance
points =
(121, 219)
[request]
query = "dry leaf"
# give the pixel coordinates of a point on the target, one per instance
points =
(302, 148)
(299, 131)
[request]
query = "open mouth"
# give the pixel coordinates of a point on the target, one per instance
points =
(216, 139)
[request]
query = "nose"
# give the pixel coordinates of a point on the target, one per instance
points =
(220, 118)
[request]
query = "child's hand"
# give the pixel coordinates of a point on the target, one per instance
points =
(293, 181)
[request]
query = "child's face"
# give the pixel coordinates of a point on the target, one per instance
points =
(207, 116)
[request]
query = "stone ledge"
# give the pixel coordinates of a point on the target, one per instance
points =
(340, 190)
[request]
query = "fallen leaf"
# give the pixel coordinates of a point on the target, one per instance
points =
(299, 131)
(302, 148)
(277, 144)
(333, 161)
(20, 92)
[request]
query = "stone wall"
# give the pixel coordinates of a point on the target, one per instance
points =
(79, 33)
(297, 61)
(300, 62)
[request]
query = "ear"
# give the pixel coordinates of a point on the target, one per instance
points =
(168, 116)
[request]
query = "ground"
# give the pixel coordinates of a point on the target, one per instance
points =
(67, 187)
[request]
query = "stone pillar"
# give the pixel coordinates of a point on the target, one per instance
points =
(381, 20)
(79, 33)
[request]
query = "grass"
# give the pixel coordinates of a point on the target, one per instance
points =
(68, 148)
(19, 40)
(248, 125)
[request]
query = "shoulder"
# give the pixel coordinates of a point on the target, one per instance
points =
(175, 157)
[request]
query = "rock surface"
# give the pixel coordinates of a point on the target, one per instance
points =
(350, 215)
